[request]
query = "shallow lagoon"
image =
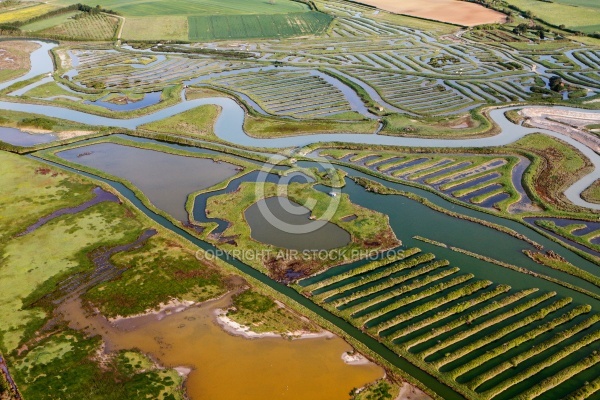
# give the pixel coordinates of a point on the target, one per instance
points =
(329, 236)
(18, 137)
(229, 367)
(166, 179)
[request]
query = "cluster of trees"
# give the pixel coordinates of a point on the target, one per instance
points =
(522, 29)
(556, 84)
(7, 29)
(94, 10)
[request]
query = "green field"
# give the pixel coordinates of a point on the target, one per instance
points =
(49, 22)
(220, 27)
(134, 8)
(208, 19)
(581, 15)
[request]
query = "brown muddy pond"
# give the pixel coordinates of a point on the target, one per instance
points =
(230, 367)
(283, 223)
(166, 179)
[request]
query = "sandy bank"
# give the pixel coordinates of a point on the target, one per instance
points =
(61, 135)
(161, 311)
(237, 329)
(354, 358)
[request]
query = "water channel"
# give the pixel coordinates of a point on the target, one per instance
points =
(407, 217)
(229, 127)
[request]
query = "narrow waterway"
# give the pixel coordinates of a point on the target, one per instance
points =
(349, 330)
(229, 127)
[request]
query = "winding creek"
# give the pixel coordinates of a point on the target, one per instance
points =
(229, 127)
(407, 217)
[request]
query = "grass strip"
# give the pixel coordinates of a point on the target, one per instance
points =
(539, 348)
(486, 324)
(560, 355)
(538, 315)
(415, 297)
(362, 269)
(416, 284)
(432, 305)
(529, 335)
(455, 309)
(389, 282)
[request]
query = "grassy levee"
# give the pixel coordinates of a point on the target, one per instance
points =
(525, 271)
(389, 165)
(560, 355)
(592, 193)
(389, 283)
(196, 123)
(585, 391)
(383, 272)
(454, 309)
(471, 189)
(376, 160)
(362, 93)
(555, 165)
(565, 232)
(380, 188)
(435, 170)
(539, 348)
(538, 315)
(169, 97)
(261, 126)
(377, 187)
(485, 324)
(469, 318)
(419, 167)
(357, 309)
(452, 184)
(423, 308)
(563, 266)
(527, 336)
(368, 227)
(365, 319)
(359, 270)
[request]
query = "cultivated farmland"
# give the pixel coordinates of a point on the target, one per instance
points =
(25, 14)
(214, 20)
(579, 15)
(134, 8)
(452, 11)
(223, 27)
(49, 22)
(149, 28)
(88, 27)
